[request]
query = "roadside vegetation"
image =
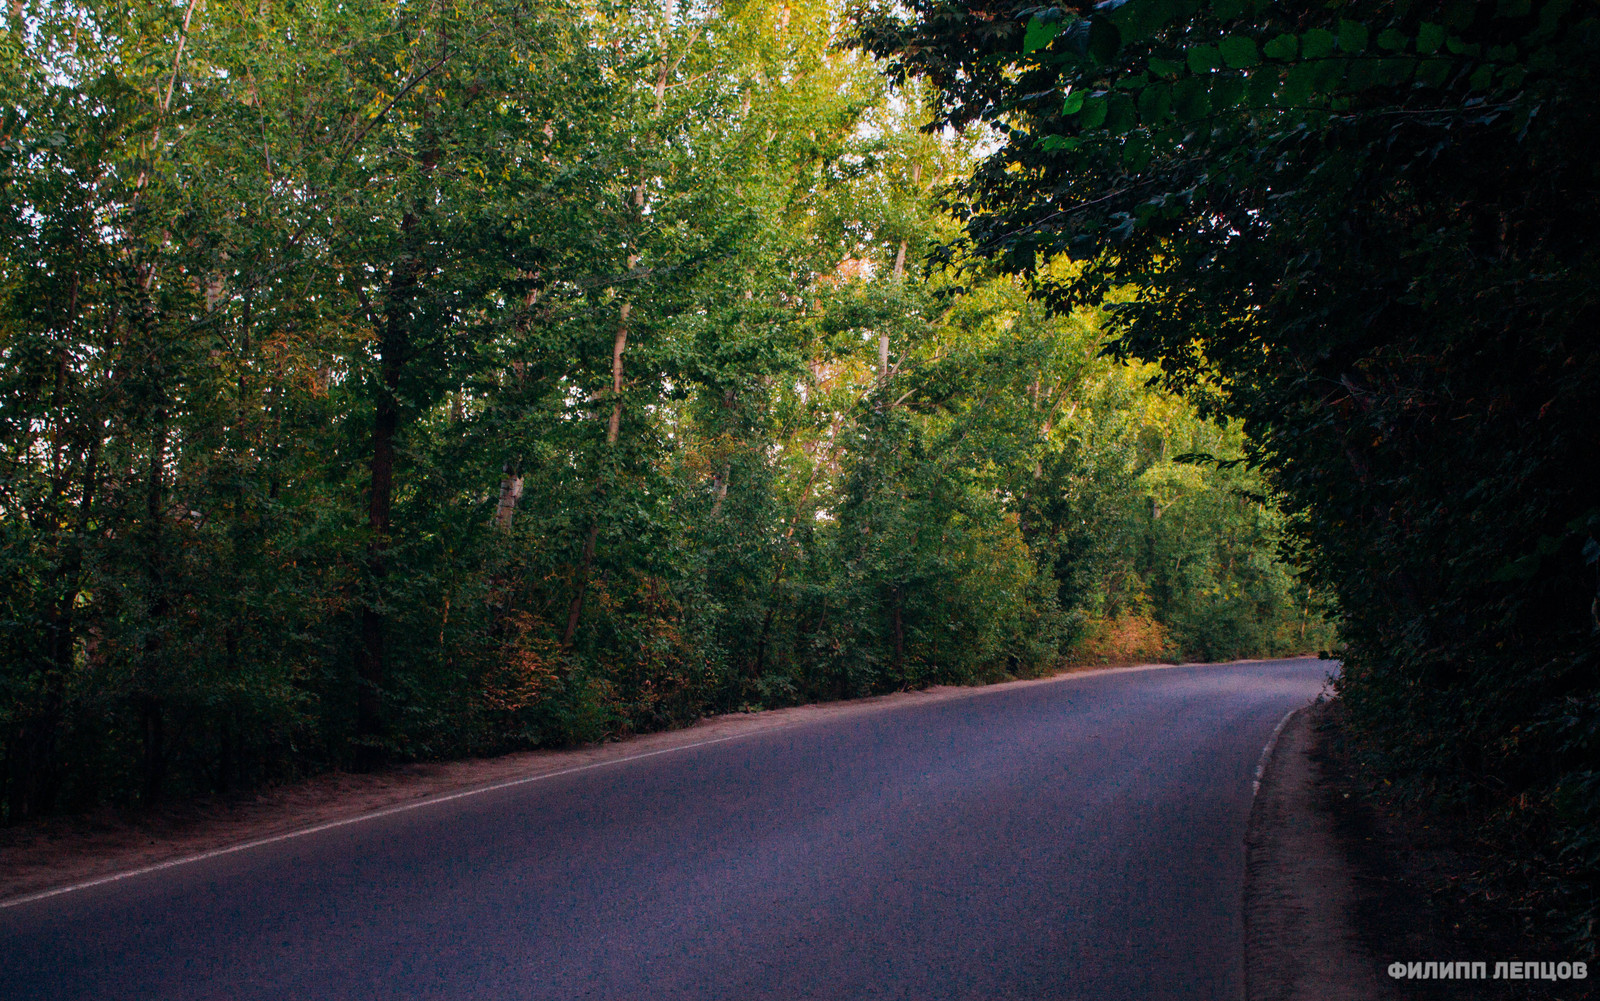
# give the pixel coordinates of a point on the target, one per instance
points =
(386, 380)
(1365, 230)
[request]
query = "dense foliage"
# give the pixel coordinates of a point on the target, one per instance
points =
(1365, 229)
(388, 380)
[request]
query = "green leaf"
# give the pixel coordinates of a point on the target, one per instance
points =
(1434, 72)
(1263, 89)
(1282, 48)
(1391, 40)
(1316, 43)
(1061, 143)
(1203, 58)
(1073, 103)
(1136, 152)
(1154, 103)
(1120, 114)
(1191, 99)
(1460, 14)
(1104, 41)
(1299, 84)
(1094, 113)
(1137, 20)
(1550, 15)
(1165, 68)
(1396, 71)
(1352, 37)
(1239, 52)
(1363, 73)
(1328, 73)
(1039, 34)
(1429, 37)
(1227, 91)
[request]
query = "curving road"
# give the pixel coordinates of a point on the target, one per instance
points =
(1076, 838)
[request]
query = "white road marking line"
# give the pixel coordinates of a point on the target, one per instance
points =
(1266, 752)
(386, 812)
(527, 779)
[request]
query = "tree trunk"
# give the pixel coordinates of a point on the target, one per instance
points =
(394, 342)
(226, 740)
(883, 338)
(897, 626)
(720, 482)
(32, 758)
(153, 765)
(575, 609)
(510, 494)
(758, 663)
(613, 430)
(618, 346)
(721, 488)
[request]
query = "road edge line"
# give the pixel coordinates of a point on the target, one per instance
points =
(1270, 746)
(363, 817)
(958, 692)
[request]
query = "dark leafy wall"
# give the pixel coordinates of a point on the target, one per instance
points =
(1366, 231)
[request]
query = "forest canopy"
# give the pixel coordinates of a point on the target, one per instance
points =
(397, 380)
(1366, 231)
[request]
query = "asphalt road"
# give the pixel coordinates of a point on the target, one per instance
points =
(1080, 838)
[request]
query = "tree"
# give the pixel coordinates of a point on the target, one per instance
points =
(388, 381)
(1361, 229)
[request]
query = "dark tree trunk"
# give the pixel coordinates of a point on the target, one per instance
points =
(154, 758)
(613, 430)
(154, 763)
(33, 756)
(575, 609)
(897, 626)
(225, 731)
(394, 342)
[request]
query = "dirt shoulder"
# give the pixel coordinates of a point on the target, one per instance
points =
(38, 856)
(1300, 897)
(1342, 882)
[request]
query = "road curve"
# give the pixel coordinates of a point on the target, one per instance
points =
(1079, 838)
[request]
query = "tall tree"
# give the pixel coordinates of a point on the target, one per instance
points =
(1361, 229)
